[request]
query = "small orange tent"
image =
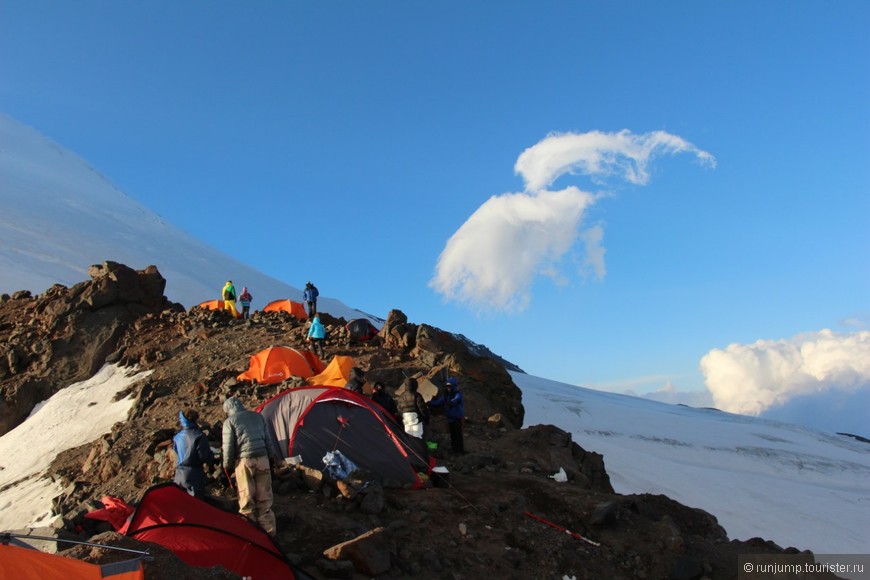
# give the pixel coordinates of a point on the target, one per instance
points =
(336, 373)
(220, 305)
(294, 308)
(276, 363)
(31, 564)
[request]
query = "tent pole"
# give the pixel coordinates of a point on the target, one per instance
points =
(4, 539)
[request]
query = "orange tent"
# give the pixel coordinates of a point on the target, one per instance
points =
(31, 564)
(220, 305)
(336, 373)
(276, 363)
(294, 308)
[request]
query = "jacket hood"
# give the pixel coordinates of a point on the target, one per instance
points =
(232, 406)
(185, 422)
(315, 320)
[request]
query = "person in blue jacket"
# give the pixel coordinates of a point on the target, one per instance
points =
(192, 449)
(316, 336)
(455, 412)
(309, 296)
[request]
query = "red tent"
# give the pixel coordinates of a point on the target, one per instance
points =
(309, 421)
(361, 330)
(203, 535)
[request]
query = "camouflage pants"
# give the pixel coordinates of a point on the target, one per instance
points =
(254, 479)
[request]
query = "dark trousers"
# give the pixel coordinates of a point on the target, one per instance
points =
(457, 445)
(317, 347)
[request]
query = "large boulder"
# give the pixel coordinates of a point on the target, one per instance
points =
(66, 334)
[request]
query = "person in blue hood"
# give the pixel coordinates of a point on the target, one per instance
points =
(192, 449)
(316, 336)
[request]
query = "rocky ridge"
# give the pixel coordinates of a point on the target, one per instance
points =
(497, 517)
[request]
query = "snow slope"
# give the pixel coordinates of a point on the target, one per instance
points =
(793, 485)
(76, 415)
(60, 216)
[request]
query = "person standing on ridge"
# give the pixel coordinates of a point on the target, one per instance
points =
(245, 299)
(228, 294)
(310, 297)
(412, 409)
(455, 412)
(249, 449)
(316, 336)
(192, 450)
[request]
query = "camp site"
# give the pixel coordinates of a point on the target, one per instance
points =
(354, 494)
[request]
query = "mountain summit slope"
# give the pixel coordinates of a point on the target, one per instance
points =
(60, 216)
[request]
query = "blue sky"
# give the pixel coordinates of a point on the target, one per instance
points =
(348, 142)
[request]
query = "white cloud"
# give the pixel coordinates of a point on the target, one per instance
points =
(494, 257)
(593, 255)
(777, 378)
(599, 154)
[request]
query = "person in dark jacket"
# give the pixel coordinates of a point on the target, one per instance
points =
(356, 381)
(412, 409)
(455, 412)
(382, 398)
(309, 296)
(249, 449)
(192, 449)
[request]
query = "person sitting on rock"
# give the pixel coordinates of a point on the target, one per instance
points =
(412, 409)
(192, 449)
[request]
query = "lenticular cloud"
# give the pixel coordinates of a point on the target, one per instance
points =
(494, 257)
(598, 154)
(781, 378)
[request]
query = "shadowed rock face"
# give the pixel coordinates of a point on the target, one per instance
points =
(65, 335)
(502, 515)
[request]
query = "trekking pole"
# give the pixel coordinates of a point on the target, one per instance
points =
(230, 481)
(561, 529)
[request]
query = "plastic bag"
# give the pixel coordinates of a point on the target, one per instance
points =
(560, 475)
(337, 465)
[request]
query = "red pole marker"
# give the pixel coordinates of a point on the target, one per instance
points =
(561, 529)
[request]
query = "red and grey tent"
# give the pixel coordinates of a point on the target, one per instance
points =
(360, 330)
(203, 535)
(310, 421)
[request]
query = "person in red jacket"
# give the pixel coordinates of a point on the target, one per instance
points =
(245, 298)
